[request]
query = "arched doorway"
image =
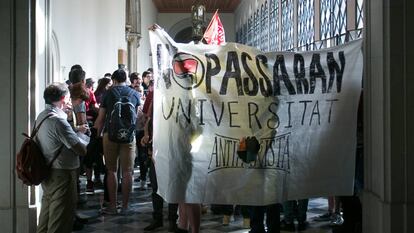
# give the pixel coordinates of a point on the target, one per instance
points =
(181, 32)
(184, 36)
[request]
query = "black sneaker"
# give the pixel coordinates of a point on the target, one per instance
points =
(98, 183)
(287, 226)
(81, 220)
(154, 225)
(178, 230)
(77, 225)
(172, 226)
(257, 231)
(302, 226)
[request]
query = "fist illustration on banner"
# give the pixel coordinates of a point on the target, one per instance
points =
(248, 149)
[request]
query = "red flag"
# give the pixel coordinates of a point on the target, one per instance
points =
(214, 33)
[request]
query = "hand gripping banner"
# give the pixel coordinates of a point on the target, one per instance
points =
(234, 125)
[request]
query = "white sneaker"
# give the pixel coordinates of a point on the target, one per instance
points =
(337, 220)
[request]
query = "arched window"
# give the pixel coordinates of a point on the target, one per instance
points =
(325, 12)
(257, 33)
(339, 9)
(245, 33)
(250, 27)
(264, 18)
(274, 25)
(238, 34)
(287, 24)
(333, 19)
(306, 23)
(360, 15)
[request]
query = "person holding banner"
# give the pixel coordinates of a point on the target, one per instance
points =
(190, 216)
(189, 213)
(157, 201)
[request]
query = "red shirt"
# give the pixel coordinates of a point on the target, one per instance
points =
(147, 109)
(91, 100)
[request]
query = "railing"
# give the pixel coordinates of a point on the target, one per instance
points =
(338, 39)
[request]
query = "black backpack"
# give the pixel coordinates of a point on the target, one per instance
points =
(123, 118)
(31, 165)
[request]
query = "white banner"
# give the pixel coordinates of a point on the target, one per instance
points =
(296, 112)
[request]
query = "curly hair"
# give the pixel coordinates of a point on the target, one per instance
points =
(79, 91)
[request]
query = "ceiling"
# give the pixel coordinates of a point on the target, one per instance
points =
(184, 6)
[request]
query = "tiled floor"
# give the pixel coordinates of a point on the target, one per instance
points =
(142, 207)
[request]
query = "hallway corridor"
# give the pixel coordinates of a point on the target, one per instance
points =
(142, 215)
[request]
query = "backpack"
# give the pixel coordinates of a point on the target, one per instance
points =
(31, 164)
(123, 118)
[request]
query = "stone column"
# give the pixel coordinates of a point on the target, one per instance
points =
(133, 32)
(388, 199)
(16, 101)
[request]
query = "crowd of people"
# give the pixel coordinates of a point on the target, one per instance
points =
(79, 130)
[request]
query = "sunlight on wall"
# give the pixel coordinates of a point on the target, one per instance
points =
(40, 29)
(41, 40)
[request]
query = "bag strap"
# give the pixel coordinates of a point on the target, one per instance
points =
(36, 129)
(119, 95)
(130, 91)
(116, 93)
